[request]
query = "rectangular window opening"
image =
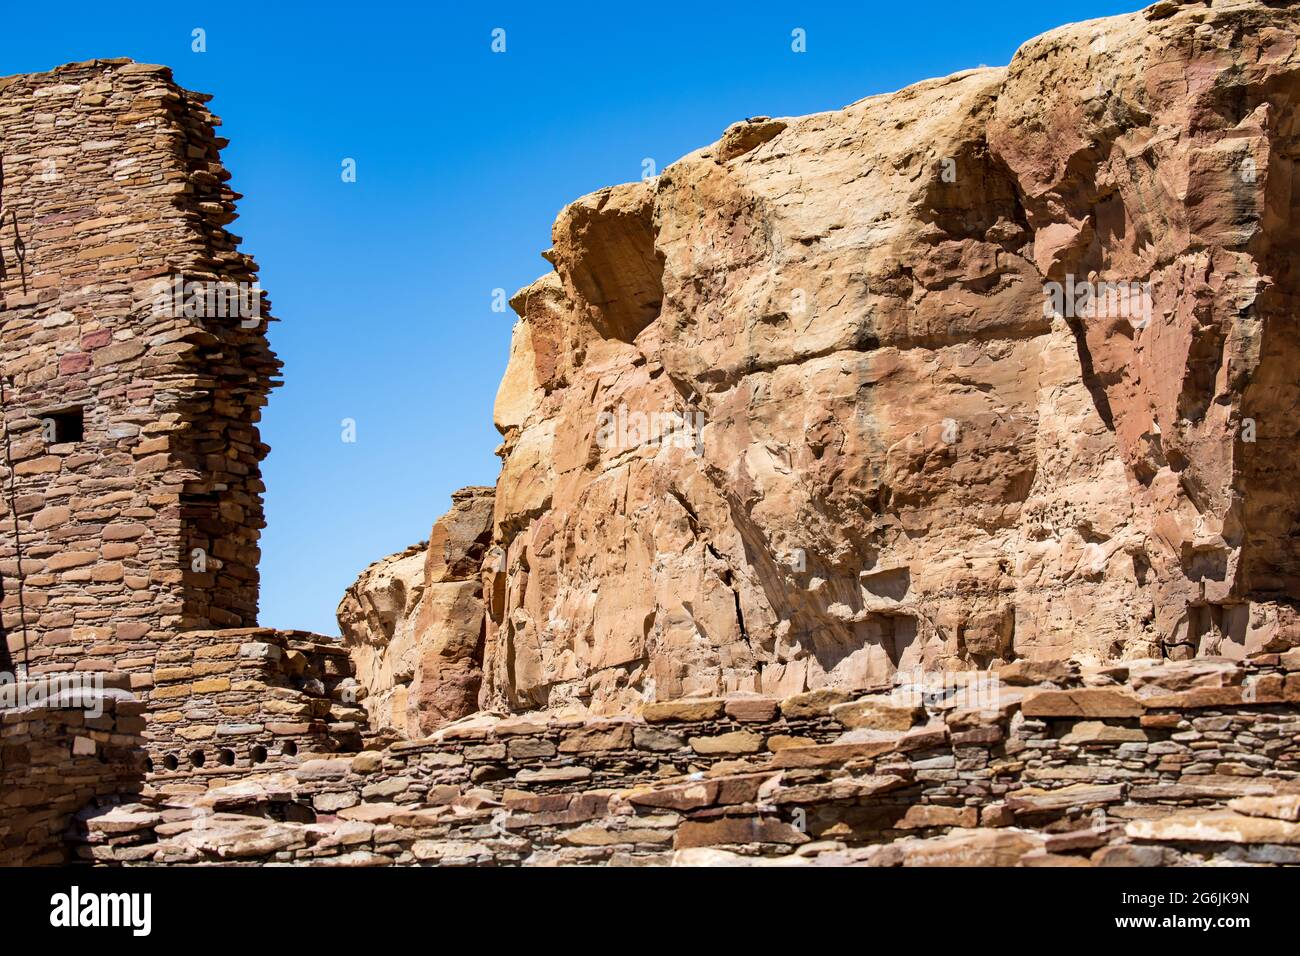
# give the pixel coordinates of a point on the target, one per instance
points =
(67, 425)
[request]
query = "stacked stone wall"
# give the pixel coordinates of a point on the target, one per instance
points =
(131, 411)
(224, 701)
(62, 746)
(1141, 764)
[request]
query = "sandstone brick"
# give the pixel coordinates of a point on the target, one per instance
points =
(820, 755)
(920, 816)
(1034, 799)
(688, 710)
(1097, 732)
(367, 762)
(1280, 807)
(599, 737)
(737, 830)
(1082, 702)
(124, 532)
(881, 713)
(758, 709)
(71, 559)
(649, 738)
(814, 703)
(50, 517)
(211, 685)
(523, 748)
(735, 742)
(1212, 827)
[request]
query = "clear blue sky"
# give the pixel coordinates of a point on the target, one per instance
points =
(384, 286)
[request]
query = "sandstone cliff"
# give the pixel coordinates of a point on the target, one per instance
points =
(996, 367)
(413, 623)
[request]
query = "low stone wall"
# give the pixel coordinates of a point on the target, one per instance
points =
(239, 698)
(1146, 763)
(64, 742)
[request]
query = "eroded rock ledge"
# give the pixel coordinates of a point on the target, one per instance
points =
(1147, 763)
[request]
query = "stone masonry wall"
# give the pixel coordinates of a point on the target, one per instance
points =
(1138, 764)
(227, 700)
(58, 755)
(113, 189)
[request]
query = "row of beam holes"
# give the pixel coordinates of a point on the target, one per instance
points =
(225, 756)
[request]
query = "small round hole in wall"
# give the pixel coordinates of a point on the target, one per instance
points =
(148, 764)
(197, 758)
(170, 762)
(257, 753)
(226, 757)
(290, 749)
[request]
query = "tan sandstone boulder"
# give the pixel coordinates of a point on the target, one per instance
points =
(413, 623)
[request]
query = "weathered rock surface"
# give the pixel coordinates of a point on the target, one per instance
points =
(804, 410)
(413, 623)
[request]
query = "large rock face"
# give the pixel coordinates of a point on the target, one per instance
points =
(413, 623)
(826, 399)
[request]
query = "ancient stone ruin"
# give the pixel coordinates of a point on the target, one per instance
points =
(905, 484)
(135, 368)
(131, 421)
